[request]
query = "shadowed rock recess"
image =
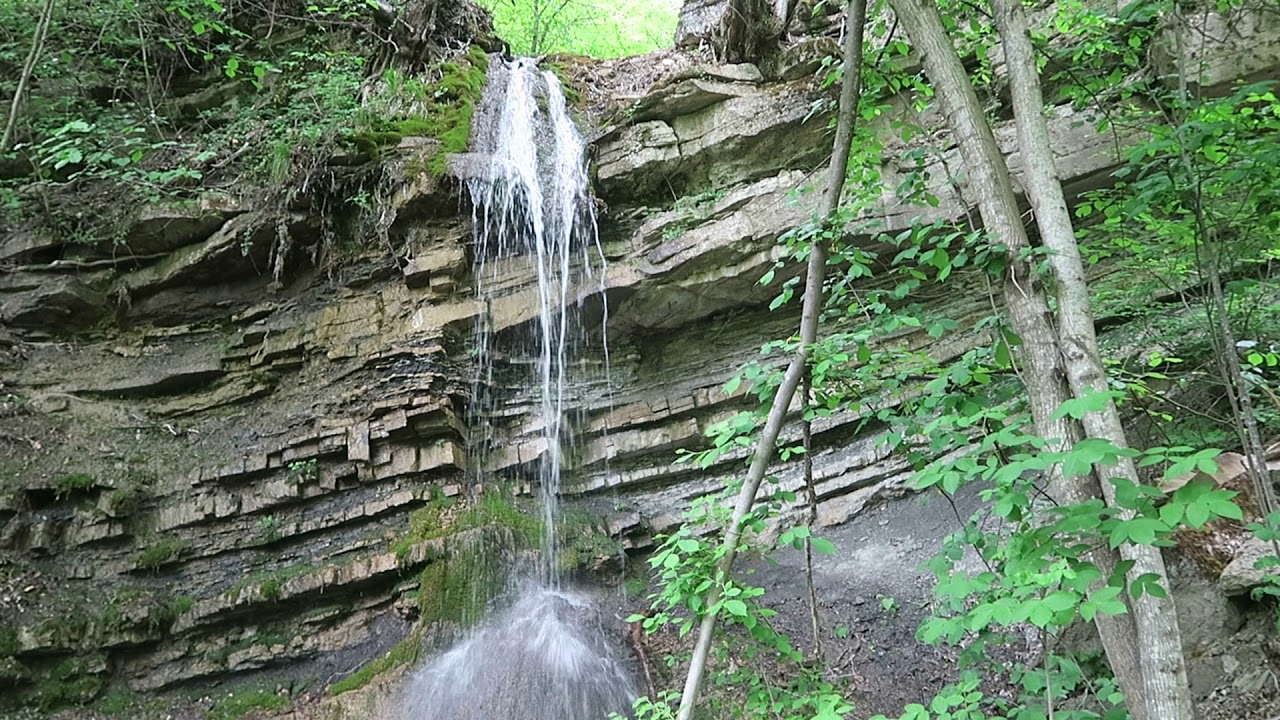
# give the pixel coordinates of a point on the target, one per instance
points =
(224, 463)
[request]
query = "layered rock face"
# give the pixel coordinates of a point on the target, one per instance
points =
(216, 456)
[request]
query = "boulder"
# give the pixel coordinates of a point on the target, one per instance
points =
(1241, 575)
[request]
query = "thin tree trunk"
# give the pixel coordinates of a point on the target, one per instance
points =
(1238, 390)
(811, 514)
(1164, 671)
(28, 69)
(811, 309)
(1025, 300)
(1246, 420)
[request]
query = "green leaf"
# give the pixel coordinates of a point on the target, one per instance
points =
(732, 386)
(823, 546)
(1077, 408)
(1061, 600)
(736, 607)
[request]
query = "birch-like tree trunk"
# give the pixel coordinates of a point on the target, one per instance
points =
(1026, 302)
(812, 307)
(1164, 671)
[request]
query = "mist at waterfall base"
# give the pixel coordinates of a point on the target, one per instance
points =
(546, 655)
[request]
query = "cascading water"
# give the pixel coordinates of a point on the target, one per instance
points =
(533, 204)
(547, 655)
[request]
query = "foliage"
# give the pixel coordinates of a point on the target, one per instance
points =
(159, 552)
(69, 484)
(237, 704)
(156, 101)
(268, 529)
(302, 472)
(70, 683)
(684, 568)
(960, 418)
(596, 28)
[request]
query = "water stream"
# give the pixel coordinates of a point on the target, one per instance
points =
(546, 655)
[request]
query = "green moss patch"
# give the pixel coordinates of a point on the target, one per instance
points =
(76, 482)
(447, 110)
(406, 652)
(72, 682)
(584, 543)
(440, 518)
(455, 588)
(236, 705)
(159, 552)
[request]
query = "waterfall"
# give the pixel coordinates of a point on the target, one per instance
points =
(546, 656)
(532, 201)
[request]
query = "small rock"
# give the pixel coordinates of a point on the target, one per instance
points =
(1240, 575)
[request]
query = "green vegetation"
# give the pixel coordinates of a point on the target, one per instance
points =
(583, 542)
(163, 617)
(406, 652)
(270, 582)
(455, 587)
(460, 578)
(72, 682)
(597, 28)
(66, 485)
(440, 518)
(441, 109)
(303, 471)
(126, 501)
(9, 645)
(152, 100)
(1196, 200)
(159, 552)
(240, 703)
(268, 529)
(116, 703)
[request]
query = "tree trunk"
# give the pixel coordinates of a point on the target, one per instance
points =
(28, 69)
(1025, 300)
(811, 309)
(1164, 671)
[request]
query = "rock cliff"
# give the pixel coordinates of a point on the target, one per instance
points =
(224, 463)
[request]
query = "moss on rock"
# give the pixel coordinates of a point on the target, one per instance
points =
(445, 115)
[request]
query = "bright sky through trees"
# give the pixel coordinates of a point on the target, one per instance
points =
(599, 28)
